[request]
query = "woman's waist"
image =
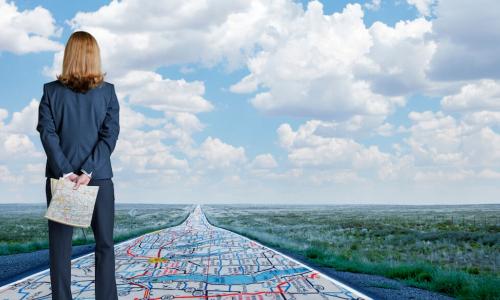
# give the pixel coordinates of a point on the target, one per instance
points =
(103, 168)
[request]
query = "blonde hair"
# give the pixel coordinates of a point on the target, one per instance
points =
(81, 70)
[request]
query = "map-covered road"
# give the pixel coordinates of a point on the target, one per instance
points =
(194, 260)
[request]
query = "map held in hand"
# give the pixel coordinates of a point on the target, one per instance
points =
(70, 206)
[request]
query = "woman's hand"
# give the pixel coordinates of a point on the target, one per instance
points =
(81, 180)
(72, 177)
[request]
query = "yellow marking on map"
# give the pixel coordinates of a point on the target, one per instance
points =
(202, 262)
(154, 260)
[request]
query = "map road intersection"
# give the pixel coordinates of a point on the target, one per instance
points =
(194, 260)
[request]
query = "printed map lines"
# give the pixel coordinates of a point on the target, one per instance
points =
(194, 260)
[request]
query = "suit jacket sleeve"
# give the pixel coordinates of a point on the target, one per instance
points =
(56, 158)
(108, 135)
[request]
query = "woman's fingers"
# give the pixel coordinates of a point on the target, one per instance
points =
(73, 177)
(77, 185)
(82, 179)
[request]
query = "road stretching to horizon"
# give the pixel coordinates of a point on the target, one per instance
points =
(193, 260)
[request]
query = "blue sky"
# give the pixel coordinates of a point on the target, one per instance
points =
(270, 101)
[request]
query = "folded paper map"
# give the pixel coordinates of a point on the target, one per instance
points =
(70, 206)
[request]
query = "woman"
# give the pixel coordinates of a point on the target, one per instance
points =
(78, 121)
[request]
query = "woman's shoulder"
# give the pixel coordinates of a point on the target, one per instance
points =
(104, 85)
(58, 84)
(107, 83)
(52, 83)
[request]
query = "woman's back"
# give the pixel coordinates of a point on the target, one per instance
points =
(78, 120)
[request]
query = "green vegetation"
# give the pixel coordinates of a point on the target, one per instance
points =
(448, 249)
(24, 229)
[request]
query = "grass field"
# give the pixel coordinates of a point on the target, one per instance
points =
(24, 229)
(454, 250)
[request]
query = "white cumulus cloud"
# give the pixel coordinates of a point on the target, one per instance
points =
(30, 30)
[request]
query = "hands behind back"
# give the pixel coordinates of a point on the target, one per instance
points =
(72, 177)
(83, 179)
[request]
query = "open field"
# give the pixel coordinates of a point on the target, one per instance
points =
(24, 229)
(449, 249)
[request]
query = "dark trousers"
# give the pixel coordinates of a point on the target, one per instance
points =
(60, 248)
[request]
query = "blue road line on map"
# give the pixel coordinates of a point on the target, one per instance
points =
(25, 294)
(156, 271)
(85, 287)
(35, 280)
(229, 279)
(192, 245)
(192, 255)
(239, 263)
(220, 265)
(128, 267)
(195, 268)
(200, 254)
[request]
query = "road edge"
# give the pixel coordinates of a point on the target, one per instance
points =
(6, 286)
(356, 289)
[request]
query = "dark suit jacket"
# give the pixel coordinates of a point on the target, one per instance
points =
(78, 130)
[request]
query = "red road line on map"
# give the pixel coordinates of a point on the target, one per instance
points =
(162, 246)
(146, 292)
(129, 248)
(145, 272)
(280, 291)
(279, 286)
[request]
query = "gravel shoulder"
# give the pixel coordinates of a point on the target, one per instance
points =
(375, 286)
(17, 266)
